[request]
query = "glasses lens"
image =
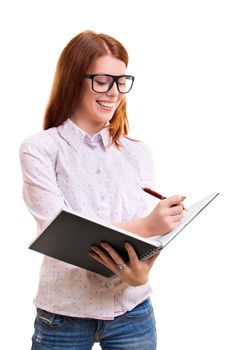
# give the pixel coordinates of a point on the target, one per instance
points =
(101, 83)
(125, 84)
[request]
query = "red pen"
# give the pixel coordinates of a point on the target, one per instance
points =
(153, 193)
(156, 194)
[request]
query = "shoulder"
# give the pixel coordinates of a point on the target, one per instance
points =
(136, 148)
(45, 141)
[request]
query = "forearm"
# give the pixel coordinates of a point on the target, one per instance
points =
(162, 219)
(138, 226)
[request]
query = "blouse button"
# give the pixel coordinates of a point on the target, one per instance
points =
(107, 284)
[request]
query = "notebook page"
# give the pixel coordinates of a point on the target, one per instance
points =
(190, 213)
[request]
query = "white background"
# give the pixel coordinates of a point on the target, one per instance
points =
(181, 105)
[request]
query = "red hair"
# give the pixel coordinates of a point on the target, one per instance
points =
(73, 62)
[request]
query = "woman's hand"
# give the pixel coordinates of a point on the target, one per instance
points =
(135, 272)
(162, 219)
(165, 216)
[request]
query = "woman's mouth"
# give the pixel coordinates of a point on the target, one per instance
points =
(106, 105)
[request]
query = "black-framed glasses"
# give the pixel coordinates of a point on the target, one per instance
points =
(104, 82)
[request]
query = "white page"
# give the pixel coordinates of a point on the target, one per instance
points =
(190, 213)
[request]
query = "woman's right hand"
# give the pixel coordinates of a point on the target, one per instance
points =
(165, 216)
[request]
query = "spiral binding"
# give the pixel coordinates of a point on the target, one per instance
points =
(148, 254)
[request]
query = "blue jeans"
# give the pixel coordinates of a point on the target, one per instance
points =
(133, 330)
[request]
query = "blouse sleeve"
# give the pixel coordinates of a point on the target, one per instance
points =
(148, 177)
(40, 190)
(147, 167)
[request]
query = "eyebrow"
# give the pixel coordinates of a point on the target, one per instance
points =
(110, 73)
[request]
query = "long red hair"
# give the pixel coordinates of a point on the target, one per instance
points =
(73, 62)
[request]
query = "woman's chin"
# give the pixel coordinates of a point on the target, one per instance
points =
(104, 117)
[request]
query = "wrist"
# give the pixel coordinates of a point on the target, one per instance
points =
(138, 282)
(148, 227)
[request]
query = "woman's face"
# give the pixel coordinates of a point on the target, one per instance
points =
(96, 108)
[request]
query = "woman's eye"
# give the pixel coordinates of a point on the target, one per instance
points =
(101, 82)
(122, 82)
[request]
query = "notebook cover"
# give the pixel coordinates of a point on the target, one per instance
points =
(69, 237)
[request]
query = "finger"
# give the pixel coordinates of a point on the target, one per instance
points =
(111, 251)
(103, 256)
(131, 253)
(176, 210)
(177, 218)
(173, 200)
(97, 257)
(100, 256)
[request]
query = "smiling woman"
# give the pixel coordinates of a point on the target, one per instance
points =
(84, 160)
(100, 96)
(86, 53)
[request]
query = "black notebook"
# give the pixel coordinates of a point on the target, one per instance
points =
(69, 236)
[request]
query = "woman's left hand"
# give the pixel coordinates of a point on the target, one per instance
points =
(135, 272)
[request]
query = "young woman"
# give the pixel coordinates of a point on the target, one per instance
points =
(84, 160)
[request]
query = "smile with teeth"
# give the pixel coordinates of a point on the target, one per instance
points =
(105, 104)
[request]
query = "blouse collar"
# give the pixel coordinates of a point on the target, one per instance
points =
(75, 136)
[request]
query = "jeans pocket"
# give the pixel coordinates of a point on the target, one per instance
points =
(144, 309)
(49, 319)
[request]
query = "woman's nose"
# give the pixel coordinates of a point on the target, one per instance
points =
(113, 91)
